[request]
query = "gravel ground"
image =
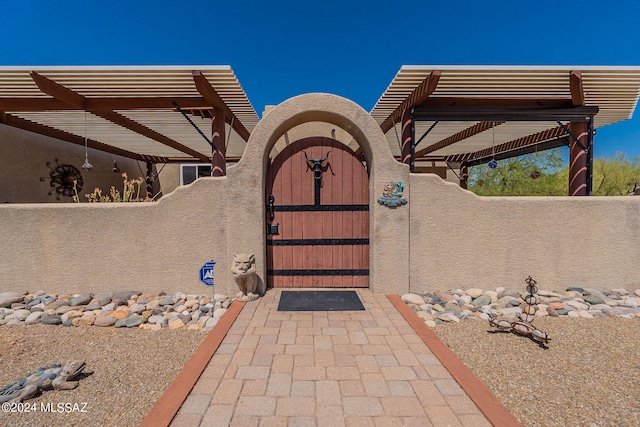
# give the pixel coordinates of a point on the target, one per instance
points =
(128, 370)
(588, 376)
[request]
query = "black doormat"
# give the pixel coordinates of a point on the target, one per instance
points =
(319, 301)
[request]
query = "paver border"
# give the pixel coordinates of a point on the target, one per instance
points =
(174, 396)
(487, 402)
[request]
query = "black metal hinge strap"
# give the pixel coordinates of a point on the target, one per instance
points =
(316, 242)
(317, 272)
(320, 208)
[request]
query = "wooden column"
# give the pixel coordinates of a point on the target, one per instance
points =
(405, 146)
(579, 160)
(218, 155)
(464, 175)
(149, 179)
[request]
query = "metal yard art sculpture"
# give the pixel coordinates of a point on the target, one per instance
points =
(524, 326)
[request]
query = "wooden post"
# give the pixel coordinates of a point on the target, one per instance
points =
(149, 179)
(218, 154)
(405, 146)
(464, 175)
(579, 160)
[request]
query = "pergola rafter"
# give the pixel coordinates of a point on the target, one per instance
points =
(18, 122)
(417, 97)
(460, 136)
(511, 148)
(214, 100)
(68, 96)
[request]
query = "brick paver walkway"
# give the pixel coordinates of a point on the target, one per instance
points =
(347, 368)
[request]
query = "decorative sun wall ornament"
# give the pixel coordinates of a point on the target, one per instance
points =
(392, 195)
(63, 178)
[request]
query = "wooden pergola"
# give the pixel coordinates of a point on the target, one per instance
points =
(470, 115)
(149, 114)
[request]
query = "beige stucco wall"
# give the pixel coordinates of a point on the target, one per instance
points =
(444, 238)
(117, 246)
(23, 161)
(460, 240)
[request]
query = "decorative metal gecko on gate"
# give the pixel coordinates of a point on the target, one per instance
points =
(524, 326)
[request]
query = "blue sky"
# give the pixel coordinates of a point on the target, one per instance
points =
(280, 49)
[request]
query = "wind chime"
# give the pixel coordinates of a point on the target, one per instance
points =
(493, 163)
(535, 174)
(86, 166)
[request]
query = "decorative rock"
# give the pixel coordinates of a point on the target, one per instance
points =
(481, 301)
(578, 305)
(510, 312)
(438, 308)
(51, 320)
(176, 324)
(637, 292)
(21, 315)
(585, 314)
(448, 317)
(552, 311)
(133, 321)
(120, 313)
(424, 315)
(557, 305)
(33, 317)
(82, 299)
(474, 292)
(105, 321)
(543, 293)
(575, 289)
(594, 299)
(219, 313)
(190, 303)
(153, 304)
(430, 323)
(124, 296)
(54, 305)
(70, 315)
(7, 300)
(413, 299)
(137, 308)
(211, 322)
(573, 314)
(167, 301)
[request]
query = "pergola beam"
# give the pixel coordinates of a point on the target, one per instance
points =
(101, 104)
(70, 97)
(214, 100)
(460, 136)
(575, 86)
(485, 155)
(417, 97)
(20, 123)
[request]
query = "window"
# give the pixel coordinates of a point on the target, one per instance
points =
(189, 173)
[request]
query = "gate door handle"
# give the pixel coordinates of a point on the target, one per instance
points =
(271, 201)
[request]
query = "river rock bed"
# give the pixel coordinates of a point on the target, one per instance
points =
(127, 309)
(440, 307)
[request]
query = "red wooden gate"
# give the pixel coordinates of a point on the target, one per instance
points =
(317, 216)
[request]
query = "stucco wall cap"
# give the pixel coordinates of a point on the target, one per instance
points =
(322, 107)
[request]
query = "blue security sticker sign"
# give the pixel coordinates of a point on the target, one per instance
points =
(206, 273)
